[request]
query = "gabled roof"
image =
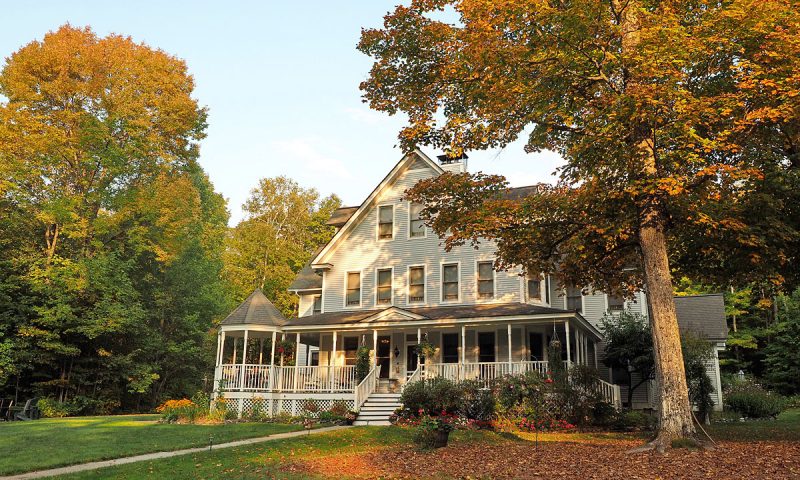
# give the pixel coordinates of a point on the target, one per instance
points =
(410, 159)
(703, 315)
(255, 310)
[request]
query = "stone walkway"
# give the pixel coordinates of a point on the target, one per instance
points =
(154, 456)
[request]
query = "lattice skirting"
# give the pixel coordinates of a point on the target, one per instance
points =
(256, 406)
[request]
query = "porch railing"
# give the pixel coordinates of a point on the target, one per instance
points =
(610, 393)
(415, 376)
(322, 378)
(485, 372)
(366, 387)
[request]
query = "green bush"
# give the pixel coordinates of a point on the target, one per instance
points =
(634, 420)
(603, 413)
(431, 396)
(52, 408)
(753, 401)
(474, 401)
(363, 363)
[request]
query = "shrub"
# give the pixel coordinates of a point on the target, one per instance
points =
(474, 401)
(603, 413)
(753, 401)
(431, 396)
(634, 420)
(52, 408)
(363, 363)
(513, 390)
(183, 410)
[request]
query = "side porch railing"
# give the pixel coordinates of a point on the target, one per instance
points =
(366, 387)
(266, 378)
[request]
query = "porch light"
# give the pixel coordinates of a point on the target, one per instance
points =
(396, 352)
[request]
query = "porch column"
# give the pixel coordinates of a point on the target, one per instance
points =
(375, 347)
(332, 362)
(463, 351)
(221, 347)
(578, 346)
(296, 357)
(419, 340)
(261, 351)
(523, 345)
(244, 361)
(569, 354)
(510, 362)
(270, 380)
(594, 347)
(233, 358)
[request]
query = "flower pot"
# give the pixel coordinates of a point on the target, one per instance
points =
(441, 438)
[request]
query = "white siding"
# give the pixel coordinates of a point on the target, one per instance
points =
(360, 250)
(594, 306)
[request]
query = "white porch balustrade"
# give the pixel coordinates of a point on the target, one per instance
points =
(267, 378)
(483, 371)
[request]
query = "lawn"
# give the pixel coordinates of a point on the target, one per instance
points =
(772, 451)
(52, 443)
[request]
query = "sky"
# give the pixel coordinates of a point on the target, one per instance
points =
(280, 80)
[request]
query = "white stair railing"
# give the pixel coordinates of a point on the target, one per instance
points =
(367, 386)
(414, 377)
(610, 393)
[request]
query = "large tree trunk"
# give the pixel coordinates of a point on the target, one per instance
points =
(675, 415)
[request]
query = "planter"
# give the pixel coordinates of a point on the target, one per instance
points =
(442, 436)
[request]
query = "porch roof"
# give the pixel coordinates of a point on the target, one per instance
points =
(255, 310)
(416, 315)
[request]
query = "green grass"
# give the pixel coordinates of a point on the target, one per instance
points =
(263, 460)
(49, 443)
(785, 428)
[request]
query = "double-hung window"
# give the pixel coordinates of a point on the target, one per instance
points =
(317, 308)
(416, 226)
(615, 303)
(385, 222)
(574, 298)
(353, 295)
(485, 280)
(450, 282)
(533, 288)
(384, 287)
(416, 284)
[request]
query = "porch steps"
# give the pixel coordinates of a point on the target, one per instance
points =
(377, 409)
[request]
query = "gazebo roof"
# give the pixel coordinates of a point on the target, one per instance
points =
(255, 310)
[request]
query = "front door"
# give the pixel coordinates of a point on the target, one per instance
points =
(383, 355)
(411, 358)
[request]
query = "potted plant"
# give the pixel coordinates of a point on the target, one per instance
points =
(350, 417)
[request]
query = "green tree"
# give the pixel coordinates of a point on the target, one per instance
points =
(651, 105)
(284, 225)
(781, 359)
(629, 348)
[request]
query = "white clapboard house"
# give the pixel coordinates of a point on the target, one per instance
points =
(385, 281)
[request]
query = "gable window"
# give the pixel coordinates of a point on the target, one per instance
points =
(485, 280)
(384, 293)
(416, 226)
(385, 222)
(416, 285)
(615, 304)
(317, 308)
(533, 288)
(353, 296)
(450, 282)
(574, 298)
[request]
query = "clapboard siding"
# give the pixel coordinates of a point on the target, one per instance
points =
(360, 250)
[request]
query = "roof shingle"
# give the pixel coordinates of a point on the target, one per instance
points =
(703, 315)
(255, 310)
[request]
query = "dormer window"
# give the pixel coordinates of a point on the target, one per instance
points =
(450, 282)
(416, 226)
(353, 295)
(385, 222)
(485, 280)
(384, 287)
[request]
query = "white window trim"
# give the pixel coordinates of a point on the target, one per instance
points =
(424, 284)
(478, 298)
(378, 222)
(441, 281)
(408, 232)
(625, 305)
(542, 286)
(321, 303)
(345, 306)
(391, 287)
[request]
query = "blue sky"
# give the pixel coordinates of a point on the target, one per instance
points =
(280, 79)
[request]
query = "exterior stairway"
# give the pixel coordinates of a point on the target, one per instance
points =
(377, 409)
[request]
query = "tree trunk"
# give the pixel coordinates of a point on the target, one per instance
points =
(675, 415)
